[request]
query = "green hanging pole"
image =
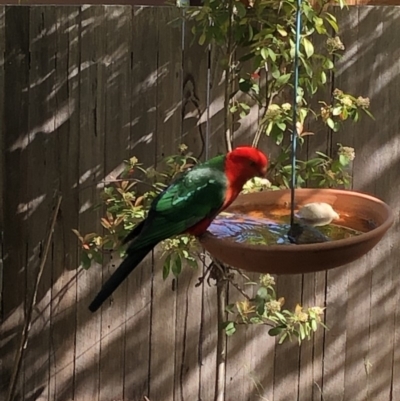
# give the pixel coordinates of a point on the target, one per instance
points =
(295, 89)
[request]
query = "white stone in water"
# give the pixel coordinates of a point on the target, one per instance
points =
(317, 213)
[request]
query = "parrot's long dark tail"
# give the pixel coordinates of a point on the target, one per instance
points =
(127, 266)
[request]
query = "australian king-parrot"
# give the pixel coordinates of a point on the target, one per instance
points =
(188, 205)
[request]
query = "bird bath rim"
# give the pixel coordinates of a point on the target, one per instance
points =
(296, 259)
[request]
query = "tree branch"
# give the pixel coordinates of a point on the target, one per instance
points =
(28, 318)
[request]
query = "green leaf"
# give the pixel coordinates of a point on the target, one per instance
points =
(302, 332)
(245, 85)
(307, 67)
(230, 328)
(281, 317)
(307, 328)
(283, 79)
(97, 257)
(279, 138)
(166, 267)
(285, 181)
(85, 260)
(272, 55)
(308, 47)
(281, 125)
(192, 262)
(263, 293)
(260, 308)
(321, 29)
(264, 53)
(177, 266)
(276, 73)
(369, 114)
(256, 88)
(303, 113)
(256, 320)
(330, 123)
(344, 160)
(281, 30)
(328, 64)
(275, 331)
(283, 337)
(251, 32)
(318, 21)
(202, 39)
(314, 325)
(336, 110)
(241, 9)
(323, 77)
(332, 22)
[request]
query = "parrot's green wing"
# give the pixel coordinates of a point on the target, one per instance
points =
(195, 196)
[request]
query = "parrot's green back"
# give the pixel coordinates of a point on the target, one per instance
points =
(197, 195)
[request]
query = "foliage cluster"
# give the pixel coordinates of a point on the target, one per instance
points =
(257, 41)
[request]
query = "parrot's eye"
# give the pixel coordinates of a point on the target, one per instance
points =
(253, 164)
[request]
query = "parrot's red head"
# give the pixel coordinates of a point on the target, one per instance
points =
(244, 163)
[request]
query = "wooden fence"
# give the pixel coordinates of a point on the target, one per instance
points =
(162, 2)
(82, 88)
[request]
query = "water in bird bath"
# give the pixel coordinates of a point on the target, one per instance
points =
(271, 226)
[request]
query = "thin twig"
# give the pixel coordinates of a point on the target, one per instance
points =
(229, 278)
(245, 276)
(28, 317)
(204, 276)
(260, 128)
(240, 290)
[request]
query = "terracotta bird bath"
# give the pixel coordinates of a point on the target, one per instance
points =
(292, 258)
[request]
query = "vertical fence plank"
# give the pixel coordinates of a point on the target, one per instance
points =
(375, 166)
(339, 281)
(335, 336)
(209, 317)
(65, 251)
(194, 93)
(3, 371)
(91, 159)
(40, 141)
(314, 284)
(2, 149)
(188, 325)
(286, 379)
(387, 187)
(355, 367)
(169, 83)
(216, 106)
(210, 326)
(189, 297)
(143, 146)
(208, 339)
(169, 109)
(116, 60)
(16, 82)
